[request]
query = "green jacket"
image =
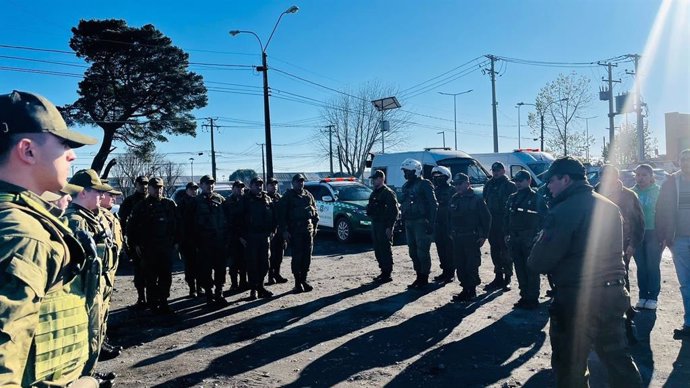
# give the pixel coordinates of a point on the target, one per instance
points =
(383, 206)
(153, 223)
(418, 201)
(34, 263)
(297, 212)
(496, 192)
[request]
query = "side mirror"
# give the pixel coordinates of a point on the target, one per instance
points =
(327, 198)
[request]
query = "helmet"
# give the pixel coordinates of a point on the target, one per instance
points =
(441, 170)
(412, 165)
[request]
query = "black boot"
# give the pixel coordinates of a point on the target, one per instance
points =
(305, 286)
(271, 280)
(209, 296)
(264, 293)
(233, 280)
(414, 284)
(279, 279)
(506, 283)
(423, 281)
(298, 284)
(192, 290)
(495, 284)
(219, 299)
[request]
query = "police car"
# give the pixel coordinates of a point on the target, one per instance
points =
(341, 203)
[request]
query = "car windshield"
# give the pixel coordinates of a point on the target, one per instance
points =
(538, 168)
(352, 192)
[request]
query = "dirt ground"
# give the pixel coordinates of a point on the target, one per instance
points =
(349, 332)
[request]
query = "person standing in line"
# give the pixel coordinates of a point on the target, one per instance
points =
(441, 178)
(277, 242)
(581, 244)
(469, 220)
(298, 224)
(672, 222)
(384, 211)
(496, 192)
(418, 206)
(648, 253)
(186, 241)
(521, 222)
(140, 193)
(238, 263)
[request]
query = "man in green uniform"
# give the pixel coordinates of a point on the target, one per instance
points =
(208, 220)
(441, 177)
(469, 221)
(140, 193)
(384, 212)
(152, 231)
(521, 222)
(84, 214)
(258, 226)
(277, 242)
(238, 263)
(187, 247)
(418, 206)
(298, 224)
(496, 192)
(581, 244)
(39, 257)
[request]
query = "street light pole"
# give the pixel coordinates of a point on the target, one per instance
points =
(587, 132)
(191, 161)
(455, 113)
(264, 69)
(542, 112)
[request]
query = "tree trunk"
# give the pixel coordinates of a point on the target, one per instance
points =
(110, 165)
(104, 150)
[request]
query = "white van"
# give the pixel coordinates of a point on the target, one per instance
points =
(456, 161)
(531, 159)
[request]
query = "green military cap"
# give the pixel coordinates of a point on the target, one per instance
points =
(299, 177)
(191, 185)
(49, 196)
(113, 191)
(497, 166)
(142, 179)
(207, 179)
(521, 176)
(89, 179)
(565, 166)
(23, 112)
(71, 189)
(272, 180)
(256, 180)
(378, 174)
(238, 183)
(460, 178)
(156, 182)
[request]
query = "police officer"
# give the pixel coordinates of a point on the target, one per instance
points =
(84, 215)
(441, 177)
(418, 205)
(153, 233)
(39, 256)
(384, 212)
(277, 242)
(298, 223)
(186, 242)
(208, 220)
(496, 192)
(582, 245)
(259, 226)
(470, 222)
(140, 193)
(521, 222)
(233, 212)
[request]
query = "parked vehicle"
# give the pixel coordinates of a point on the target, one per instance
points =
(341, 203)
(533, 160)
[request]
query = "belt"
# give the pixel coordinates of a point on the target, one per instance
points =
(613, 283)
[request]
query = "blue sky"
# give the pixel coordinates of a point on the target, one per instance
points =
(343, 44)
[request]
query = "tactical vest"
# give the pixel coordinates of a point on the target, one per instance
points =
(378, 204)
(523, 211)
(60, 344)
(443, 195)
(412, 205)
(158, 224)
(260, 216)
(464, 214)
(209, 217)
(300, 209)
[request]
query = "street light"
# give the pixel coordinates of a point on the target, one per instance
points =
(587, 131)
(382, 105)
(191, 161)
(541, 114)
(264, 69)
(455, 113)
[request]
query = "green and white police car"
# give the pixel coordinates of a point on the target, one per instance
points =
(341, 203)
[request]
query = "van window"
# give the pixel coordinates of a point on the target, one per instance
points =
(477, 176)
(514, 170)
(538, 168)
(465, 166)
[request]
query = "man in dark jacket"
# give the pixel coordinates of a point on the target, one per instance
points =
(384, 212)
(140, 193)
(441, 177)
(298, 224)
(153, 232)
(418, 206)
(496, 192)
(673, 229)
(238, 263)
(277, 242)
(521, 221)
(258, 226)
(582, 246)
(187, 246)
(469, 221)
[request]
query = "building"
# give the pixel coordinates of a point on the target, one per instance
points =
(677, 134)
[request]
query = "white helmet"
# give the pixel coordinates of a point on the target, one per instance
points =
(413, 165)
(441, 170)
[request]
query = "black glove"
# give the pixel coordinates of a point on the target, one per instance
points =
(87, 243)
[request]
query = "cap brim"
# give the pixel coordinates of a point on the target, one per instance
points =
(115, 192)
(75, 138)
(71, 189)
(105, 188)
(49, 196)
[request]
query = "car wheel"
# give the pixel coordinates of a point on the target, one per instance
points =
(343, 230)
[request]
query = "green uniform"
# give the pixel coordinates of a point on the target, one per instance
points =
(238, 263)
(298, 216)
(581, 245)
(100, 273)
(418, 205)
(496, 192)
(277, 244)
(521, 222)
(444, 244)
(384, 212)
(43, 317)
(153, 228)
(258, 224)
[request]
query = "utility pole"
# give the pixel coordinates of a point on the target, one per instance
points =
(263, 164)
(330, 145)
(340, 161)
(638, 108)
(213, 147)
(609, 97)
(494, 104)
